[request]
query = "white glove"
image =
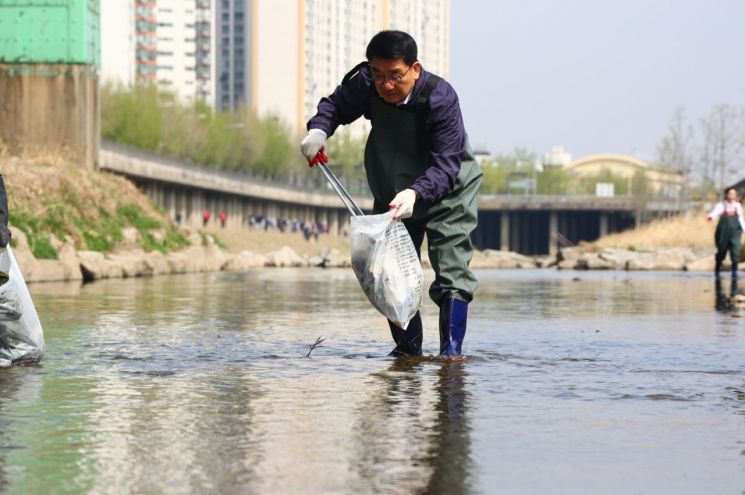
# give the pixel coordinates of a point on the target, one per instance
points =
(312, 143)
(403, 204)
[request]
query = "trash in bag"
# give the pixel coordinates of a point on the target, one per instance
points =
(386, 264)
(21, 336)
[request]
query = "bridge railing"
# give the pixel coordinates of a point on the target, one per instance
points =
(304, 180)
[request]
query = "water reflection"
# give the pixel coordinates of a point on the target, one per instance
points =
(725, 301)
(205, 423)
(14, 384)
(414, 434)
(451, 450)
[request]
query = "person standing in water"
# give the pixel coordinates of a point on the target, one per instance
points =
(419, 165)
(728, 235)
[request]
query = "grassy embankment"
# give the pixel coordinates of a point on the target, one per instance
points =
(50, 198)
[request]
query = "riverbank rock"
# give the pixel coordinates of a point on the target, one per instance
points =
(704, 264)
(594, 261)
(65, 268)
(571, 258)
(157, 263)
(207, 258)
(285, 257)
(245, 261)
(491, 258)
(92, 265)
(618, 258)
(130, 264)
(333, 258)
(545, 261)
(659, 259)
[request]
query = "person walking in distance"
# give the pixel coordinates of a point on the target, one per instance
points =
(730, 227)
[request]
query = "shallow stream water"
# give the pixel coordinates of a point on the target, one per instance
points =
(574, 383)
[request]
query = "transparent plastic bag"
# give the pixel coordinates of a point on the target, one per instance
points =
(385, 262)
(21, 336)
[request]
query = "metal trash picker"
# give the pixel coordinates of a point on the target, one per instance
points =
(383, 256)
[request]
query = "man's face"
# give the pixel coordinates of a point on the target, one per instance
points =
(393, 78)
(731, 195)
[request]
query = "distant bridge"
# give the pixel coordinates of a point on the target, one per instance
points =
(525, 224)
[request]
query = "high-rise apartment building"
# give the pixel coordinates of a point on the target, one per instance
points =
(204, 50)
(168, 42)
(145, 46)
(232, 42)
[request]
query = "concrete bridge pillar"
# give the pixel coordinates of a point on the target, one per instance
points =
(504, 231)
(553, 231)
(603, 228)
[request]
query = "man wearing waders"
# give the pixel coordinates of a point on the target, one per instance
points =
(419, 164)
(729, 230)
(4, 231)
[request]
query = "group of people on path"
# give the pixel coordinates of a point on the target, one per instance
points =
(206, 214)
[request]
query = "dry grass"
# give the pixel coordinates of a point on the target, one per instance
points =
(35, 182)
(687, 230)
(52, 197)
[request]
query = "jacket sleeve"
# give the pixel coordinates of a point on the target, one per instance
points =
(448, 145)
(740, 216)
(716, 212)
(347, 103)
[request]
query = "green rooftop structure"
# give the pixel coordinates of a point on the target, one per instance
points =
(50, 57)
(50, 32)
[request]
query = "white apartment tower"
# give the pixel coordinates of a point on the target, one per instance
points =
(176, 46)
(168, 42)
(301, 49)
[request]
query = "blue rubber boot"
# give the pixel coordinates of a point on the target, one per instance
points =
(453, 317)
(409, 341)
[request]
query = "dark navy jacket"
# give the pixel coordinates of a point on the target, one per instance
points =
(443, 124)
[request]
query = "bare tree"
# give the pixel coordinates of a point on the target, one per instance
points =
(723, 148)
(675, 151)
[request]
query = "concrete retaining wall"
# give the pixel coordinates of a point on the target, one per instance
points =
(51, 108)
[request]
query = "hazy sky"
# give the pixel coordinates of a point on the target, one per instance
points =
(594, 76)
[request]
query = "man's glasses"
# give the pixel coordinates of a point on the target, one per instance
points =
(394, 78)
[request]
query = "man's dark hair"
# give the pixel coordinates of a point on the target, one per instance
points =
(392, 45)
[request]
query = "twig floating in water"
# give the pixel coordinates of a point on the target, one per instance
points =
(314, 345)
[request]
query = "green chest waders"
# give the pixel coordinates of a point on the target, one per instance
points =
(396, 155)
(727, 238)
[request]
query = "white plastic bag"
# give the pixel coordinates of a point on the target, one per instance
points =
(21, 336)
(385, 262)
